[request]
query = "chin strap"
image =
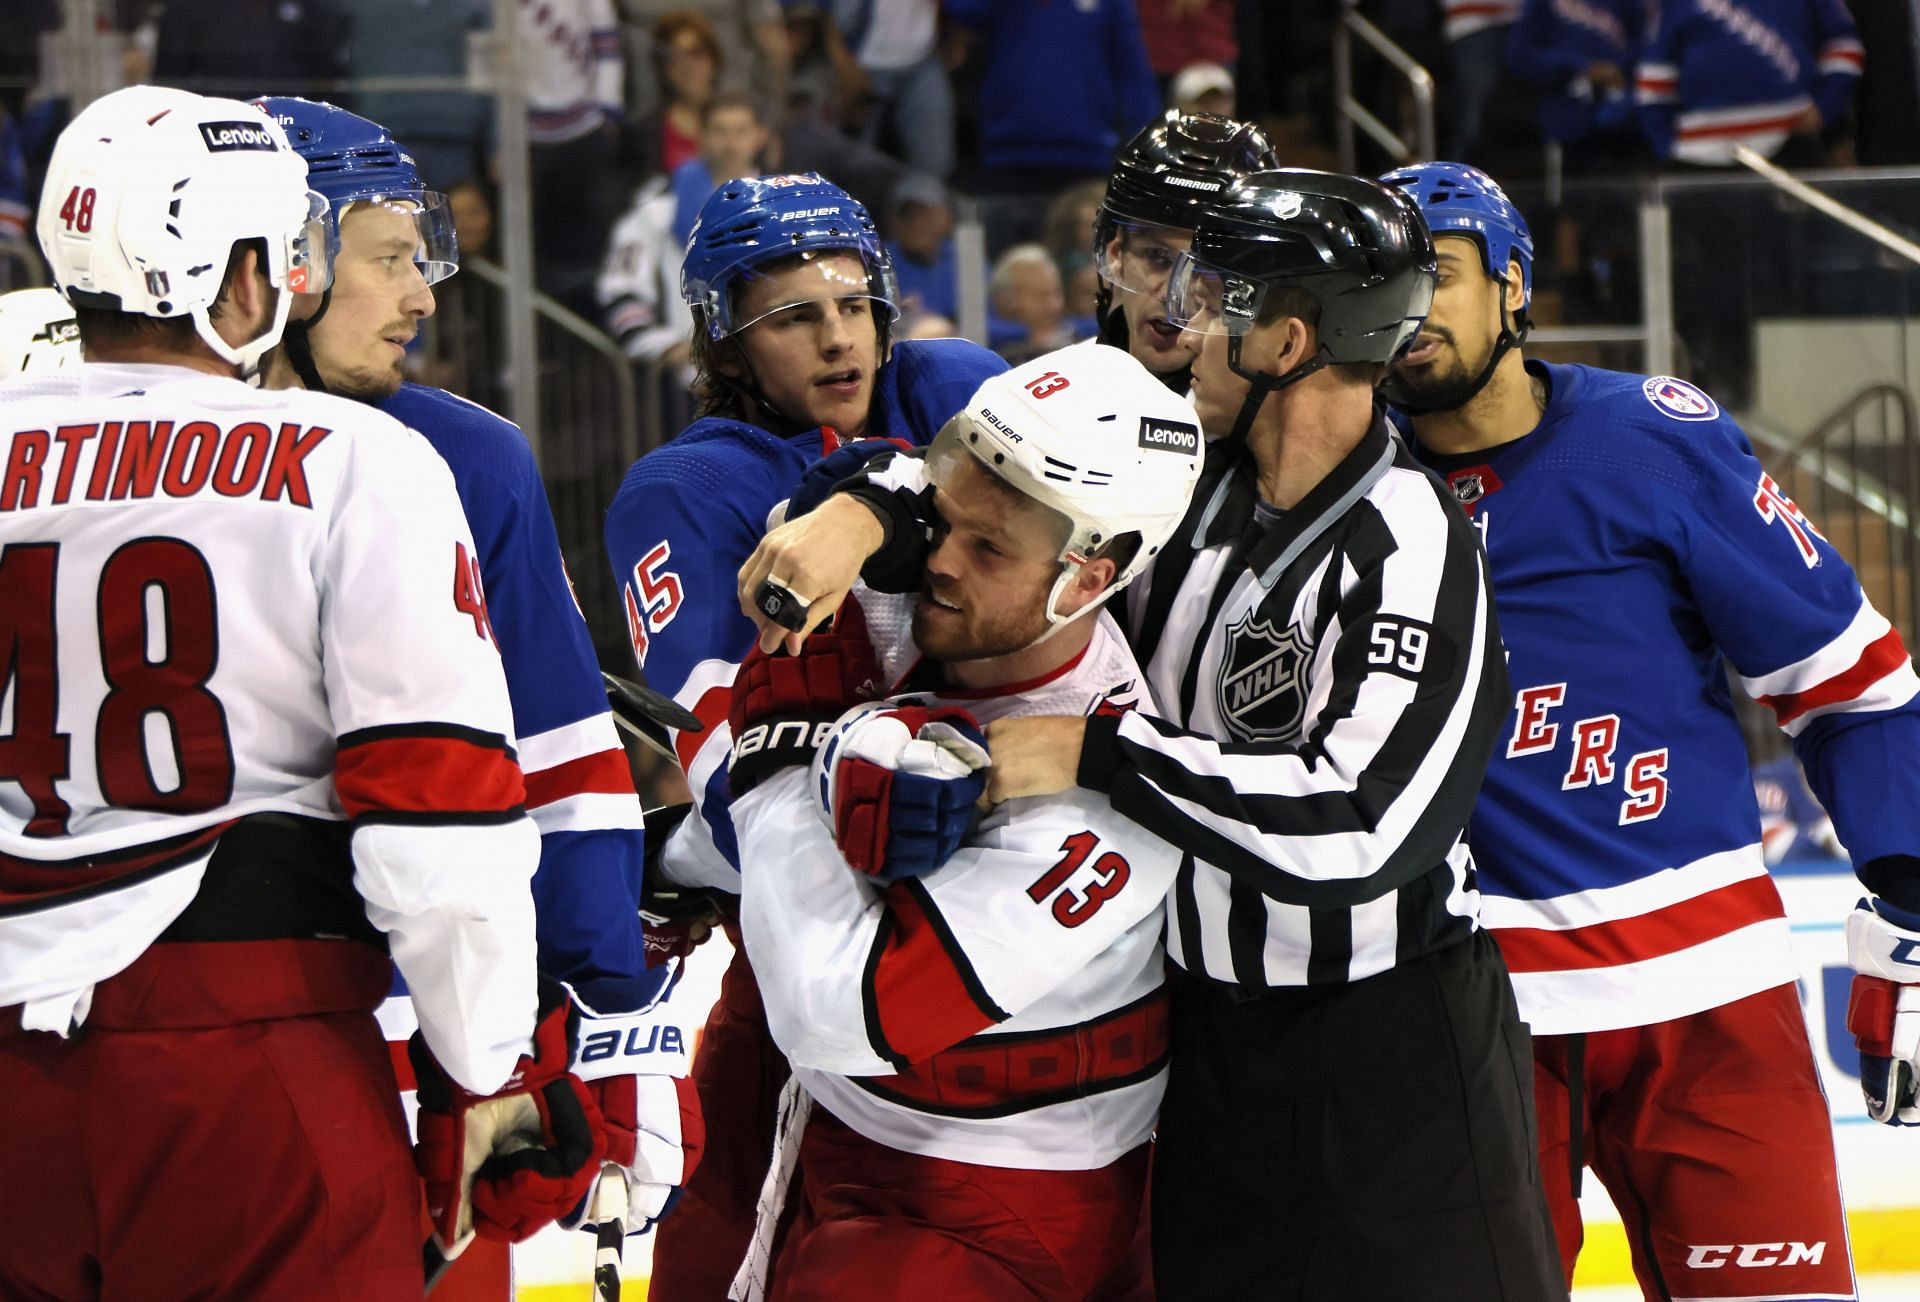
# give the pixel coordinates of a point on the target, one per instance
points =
(1263, 384)
(1513, 332)
(299, 348)
(1114, 333)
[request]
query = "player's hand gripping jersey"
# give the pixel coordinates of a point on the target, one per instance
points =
(1006, 1009)
(1637, 540)
(687, 517)
(207, 614)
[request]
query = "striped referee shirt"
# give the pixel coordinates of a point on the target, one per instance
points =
(1332, 687)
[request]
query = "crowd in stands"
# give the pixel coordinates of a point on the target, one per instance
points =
(638, 107)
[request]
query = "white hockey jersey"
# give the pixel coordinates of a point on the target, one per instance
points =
(1005, 1010)
(216, 601)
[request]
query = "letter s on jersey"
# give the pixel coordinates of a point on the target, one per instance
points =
(652, 596)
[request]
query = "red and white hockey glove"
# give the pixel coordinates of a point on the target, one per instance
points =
(635, 1065)
(783, 705)
(503, 1165)
(1883, 1012)
(898, 785)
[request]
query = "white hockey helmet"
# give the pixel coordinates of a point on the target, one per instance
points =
(150, 188)
(37, 333)
(1092, 436)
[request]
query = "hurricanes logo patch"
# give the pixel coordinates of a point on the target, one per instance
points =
(1262, 689)
(1678, 399)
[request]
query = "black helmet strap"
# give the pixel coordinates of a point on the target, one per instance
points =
(298, 347)
(1263, 384)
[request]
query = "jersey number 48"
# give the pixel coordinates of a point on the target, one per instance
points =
(35, 755)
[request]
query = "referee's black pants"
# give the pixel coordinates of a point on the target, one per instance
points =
(1366, 1142)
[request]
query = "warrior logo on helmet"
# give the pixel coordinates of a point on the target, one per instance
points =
(1262, 689)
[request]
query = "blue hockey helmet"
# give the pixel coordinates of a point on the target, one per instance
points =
(754, 220)
(1462, 200)
(352, 160)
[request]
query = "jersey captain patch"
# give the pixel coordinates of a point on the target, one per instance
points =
(1262, 689)
(1678, 399)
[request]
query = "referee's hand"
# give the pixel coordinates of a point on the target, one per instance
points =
(1035, 756)
(817, 558)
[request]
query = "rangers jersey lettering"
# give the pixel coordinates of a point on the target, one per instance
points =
(257, 611)
(1007, 1008)
(1635, 542)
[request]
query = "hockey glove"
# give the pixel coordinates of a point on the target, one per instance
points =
(898, 785)
(818, 480)
(783, 705)
(1883, 1012)
(677, 919)
(655, 1136)
(504, 1164)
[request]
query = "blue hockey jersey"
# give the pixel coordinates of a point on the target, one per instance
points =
(685, 520)
(579, 791)
(1720, 73)
(1635, 543)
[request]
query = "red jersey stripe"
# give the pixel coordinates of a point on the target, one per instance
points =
(1632, 940)
(919, 996)
(417, 774)
(604, 773)
(1754, 127)
(710, 709)
(1880, 658)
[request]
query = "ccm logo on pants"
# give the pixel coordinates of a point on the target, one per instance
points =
(1712, 1256)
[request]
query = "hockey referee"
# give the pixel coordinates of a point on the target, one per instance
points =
(1349, 1115)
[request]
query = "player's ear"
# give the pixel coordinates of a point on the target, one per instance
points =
(1516, 295)
(1089, 581)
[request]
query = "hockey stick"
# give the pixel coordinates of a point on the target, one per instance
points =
(610, 1235)
(647, 715)
(433, 1263)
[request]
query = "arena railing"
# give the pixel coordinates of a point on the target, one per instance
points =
(1351, 113)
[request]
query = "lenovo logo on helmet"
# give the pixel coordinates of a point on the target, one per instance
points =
(1188, 183)
(225, 137)
(1169, 436)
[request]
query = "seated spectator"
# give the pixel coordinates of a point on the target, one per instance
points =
(1202, 88)
(1028, 314)
(1081, 280)
(639, 286)
(895, 43)
(753, 53)
(1070, 218)
(688, 61)
(1580, 54)
(824, 79)
(922, 248)
(1776, 75)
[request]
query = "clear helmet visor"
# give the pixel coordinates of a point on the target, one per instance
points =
(426, 217)
(309, 251)
(1139, 256)
(810, 282)
(1030, 530)
(1205, 299)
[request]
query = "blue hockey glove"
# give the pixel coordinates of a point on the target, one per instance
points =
(1883, 1011)
(898, 784)
(818, 480)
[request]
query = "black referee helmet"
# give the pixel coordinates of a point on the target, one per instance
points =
(1351, 256)
(1161, 178)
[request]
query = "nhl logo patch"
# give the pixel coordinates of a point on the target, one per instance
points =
(1262, 688)
(1471, 484)
(1678, 399)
